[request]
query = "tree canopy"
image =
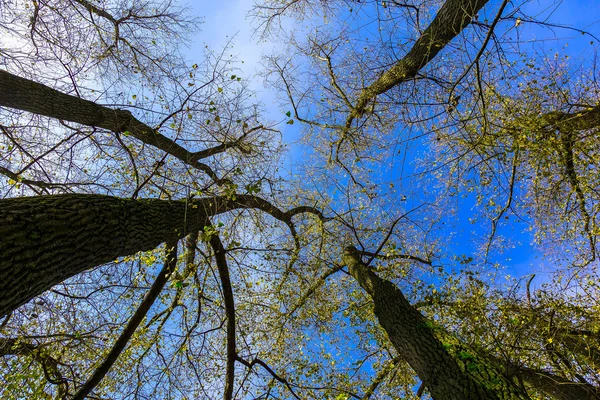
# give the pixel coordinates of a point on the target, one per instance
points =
(161, 238)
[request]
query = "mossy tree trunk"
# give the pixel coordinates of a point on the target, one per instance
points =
(449, 368)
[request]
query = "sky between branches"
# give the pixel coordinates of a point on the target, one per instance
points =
(229, 24)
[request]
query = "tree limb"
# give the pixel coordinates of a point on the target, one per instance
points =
(450, 20)
(221, 260)
(47, 239)
(135, 320)
(26, 95)
(12, 346)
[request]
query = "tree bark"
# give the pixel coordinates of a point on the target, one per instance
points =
(449, 368)
(47, 239)
(26, 95)
(450, 20)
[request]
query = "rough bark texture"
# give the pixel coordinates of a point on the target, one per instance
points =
(47, 239)
(449, 369)
(450, 20)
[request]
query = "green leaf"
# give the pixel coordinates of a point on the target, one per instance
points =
(290, 122)
(253, 188)
(288, 114)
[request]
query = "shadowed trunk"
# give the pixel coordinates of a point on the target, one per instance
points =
(47, 239)
(449, 368)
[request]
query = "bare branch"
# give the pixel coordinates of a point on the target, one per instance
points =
(11, 346)
(270, 371)
(221, 260)
(381, 375)
(135, 320)
(24, 94)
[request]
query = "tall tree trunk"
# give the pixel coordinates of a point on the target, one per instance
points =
(449, 368)
(47, 239)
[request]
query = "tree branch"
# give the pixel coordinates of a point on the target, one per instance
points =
(381, 375)
(12, 346)
(135, 320)
(270, 371)
(557, 387)
(26, 95)
(221, 260)
(450, 20)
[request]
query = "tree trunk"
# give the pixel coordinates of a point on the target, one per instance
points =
(47, 239)
(449, 369)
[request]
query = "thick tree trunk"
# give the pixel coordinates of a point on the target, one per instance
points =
(47, 239)
(449, 369)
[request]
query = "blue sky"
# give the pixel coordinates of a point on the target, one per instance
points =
(226, 20)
